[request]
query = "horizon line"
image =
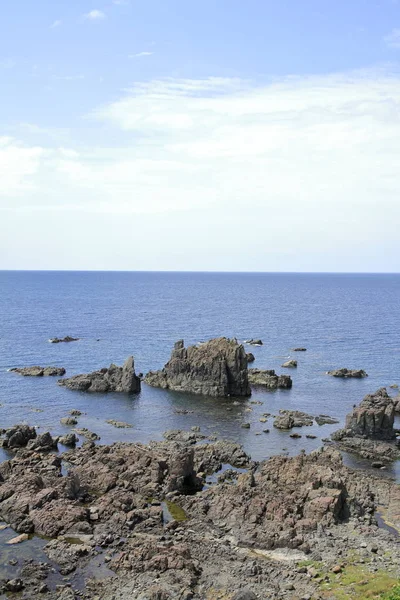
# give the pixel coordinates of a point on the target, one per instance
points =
(199, 271)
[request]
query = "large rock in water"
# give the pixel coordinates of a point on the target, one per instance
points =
(373, 417)
(39, 371)
(348, 373)
(269, 379)
(215, 368)
(113, 379)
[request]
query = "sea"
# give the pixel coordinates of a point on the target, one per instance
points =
(344, 320)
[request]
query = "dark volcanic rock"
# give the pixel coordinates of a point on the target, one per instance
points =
(39, 371)
(250, 357)
(345, 373)
(67, 339)
(113, 379)
(215, 368)
(269, 379)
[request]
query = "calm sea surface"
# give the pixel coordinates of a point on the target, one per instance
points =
(343, 320)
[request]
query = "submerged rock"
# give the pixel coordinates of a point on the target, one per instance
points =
(347, 373)
(290, 364)
(269, 379)
(39, 371)
(215, 368)
(113, 379)
(67, 339)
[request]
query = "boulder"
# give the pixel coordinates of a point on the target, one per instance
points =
(348, 373)
(216, 368)
(269, 379)
(67, 339)
(292, 418)
(39, 371)
(113, 379)
(18, 436)
(68, 421)
(290, 364)
(250, 357)
(68, 440)
(43, 443)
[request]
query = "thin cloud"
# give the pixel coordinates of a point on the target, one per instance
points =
(56, 23)
(140, 54)
(392, 39)
(94, 15)
(7, 63)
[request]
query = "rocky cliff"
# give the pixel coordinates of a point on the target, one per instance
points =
(215, 368)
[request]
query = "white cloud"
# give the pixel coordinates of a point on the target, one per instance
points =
(139, 54)
(94, 15)
(19, 165)
(393, 38)
(300, 166)
(55, 24)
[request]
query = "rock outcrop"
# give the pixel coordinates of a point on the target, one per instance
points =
(250, 357)
(290, 364)
(113, 379)
(292, 418)
(39, 371)
(67, 339)
(252, 342)
(18, 436)
(370, 427)
(216, 368)
(347, 373)
(269, 379)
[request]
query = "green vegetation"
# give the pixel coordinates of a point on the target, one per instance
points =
(176, 512)
(394, 594)
(356, 582)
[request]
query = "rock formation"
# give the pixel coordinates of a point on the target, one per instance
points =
(299, 349)
(113, 379)
(250, 357)
(292, 418)
(215, 368)
(355, 373)
(290, 364)
(269, 379)
(253, 342)
(18, 436)
(39, 371)
(67, 339)
(370, 426)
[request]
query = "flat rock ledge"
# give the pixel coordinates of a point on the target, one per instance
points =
(348, 373)
(369, 429)
(215, 368)
(66, 340)
(269, 379)
(113, 379)
(39, 371)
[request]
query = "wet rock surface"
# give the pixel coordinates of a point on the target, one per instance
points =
(113, 379)
(216, 368)
(39, 371)
(269, 379)
(250, 531)
(348, 373)
(290, 364)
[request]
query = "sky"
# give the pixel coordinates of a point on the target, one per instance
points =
(218, 135)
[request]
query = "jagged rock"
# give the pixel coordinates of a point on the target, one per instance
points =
(67, 339)
(254, 342)
(39, 371)
(18, 436)
(269, 379)
(89, 435)
(290, 364)
(250, 357)
(373, 417)
(113, 379)
(292, 418)
(397, 404)
(69, 440)
(347, 373)
(43, 443)
(215, 368)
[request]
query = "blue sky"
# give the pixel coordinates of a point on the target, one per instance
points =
(220, 135)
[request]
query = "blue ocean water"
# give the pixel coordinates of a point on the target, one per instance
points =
(343, 320)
